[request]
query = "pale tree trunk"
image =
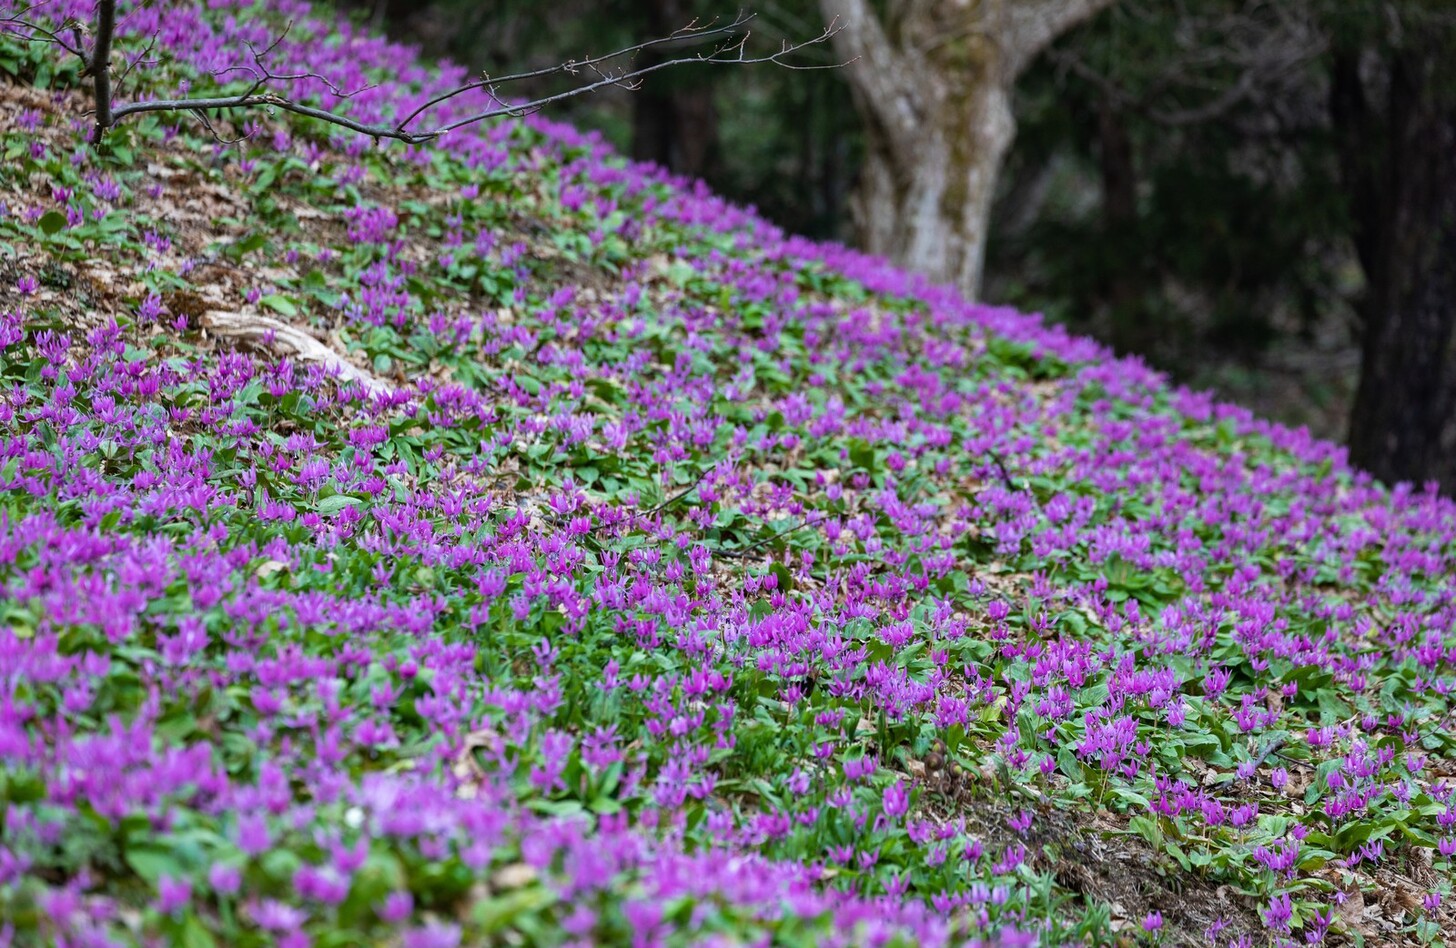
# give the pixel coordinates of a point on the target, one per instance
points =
(933, 83)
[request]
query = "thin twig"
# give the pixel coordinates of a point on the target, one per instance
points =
(1264, 53)
(731, 51)
(739, 59)
(79, 50)
(689, 32)
(679, 495)
(1270, 748)
(140, 57)
(744, 551)
(1001, 470)
(201, 116)
(271, 101)
(49, 37)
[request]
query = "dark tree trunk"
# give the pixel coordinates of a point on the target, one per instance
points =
(1119, 176)
(673, 124)
(677, 129)
(652, 124)
(1130, 331)
(1400, 169)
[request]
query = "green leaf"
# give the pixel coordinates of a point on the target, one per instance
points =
(176, 724)
(280, 864)
(151, 862)
(606, 805)
(500, 914)
(564, 808)
(195, 934)
(1146, 828)
(265, 179)
(280, 304)
(248, 244)
(332, 505)
(52, 222)
(1067, 763)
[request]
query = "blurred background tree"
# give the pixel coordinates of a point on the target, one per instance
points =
(934, 83)
(1168, 192)
(1257, 196)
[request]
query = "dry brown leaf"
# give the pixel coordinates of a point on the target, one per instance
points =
(1351, 912)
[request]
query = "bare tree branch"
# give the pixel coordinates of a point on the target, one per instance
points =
(732, 49)
(100, 66)
(47, 36)
(139, 59)
(691, 31)
(734, 54)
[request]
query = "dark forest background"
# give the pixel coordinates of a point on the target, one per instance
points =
(1235, 191)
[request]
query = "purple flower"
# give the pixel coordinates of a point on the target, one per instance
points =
(151, 308)
(896, 800)
(276, 916)
(173, 894)
(858, 768)
(224, 878)
(435, 935)
(1279, 913)
(253, 837)
(395, 908)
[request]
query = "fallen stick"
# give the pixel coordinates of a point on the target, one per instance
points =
(268, 333)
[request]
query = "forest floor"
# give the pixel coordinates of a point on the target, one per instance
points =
(505, 543)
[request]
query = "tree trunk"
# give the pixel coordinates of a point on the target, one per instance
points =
(1400, 168)
(925, 202)
(1131, 331)
(933, 83)
(673, 124)
(678, 129)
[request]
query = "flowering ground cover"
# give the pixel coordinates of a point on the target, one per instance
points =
(498, 542)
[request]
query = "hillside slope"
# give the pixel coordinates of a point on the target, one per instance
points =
(501, 543)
